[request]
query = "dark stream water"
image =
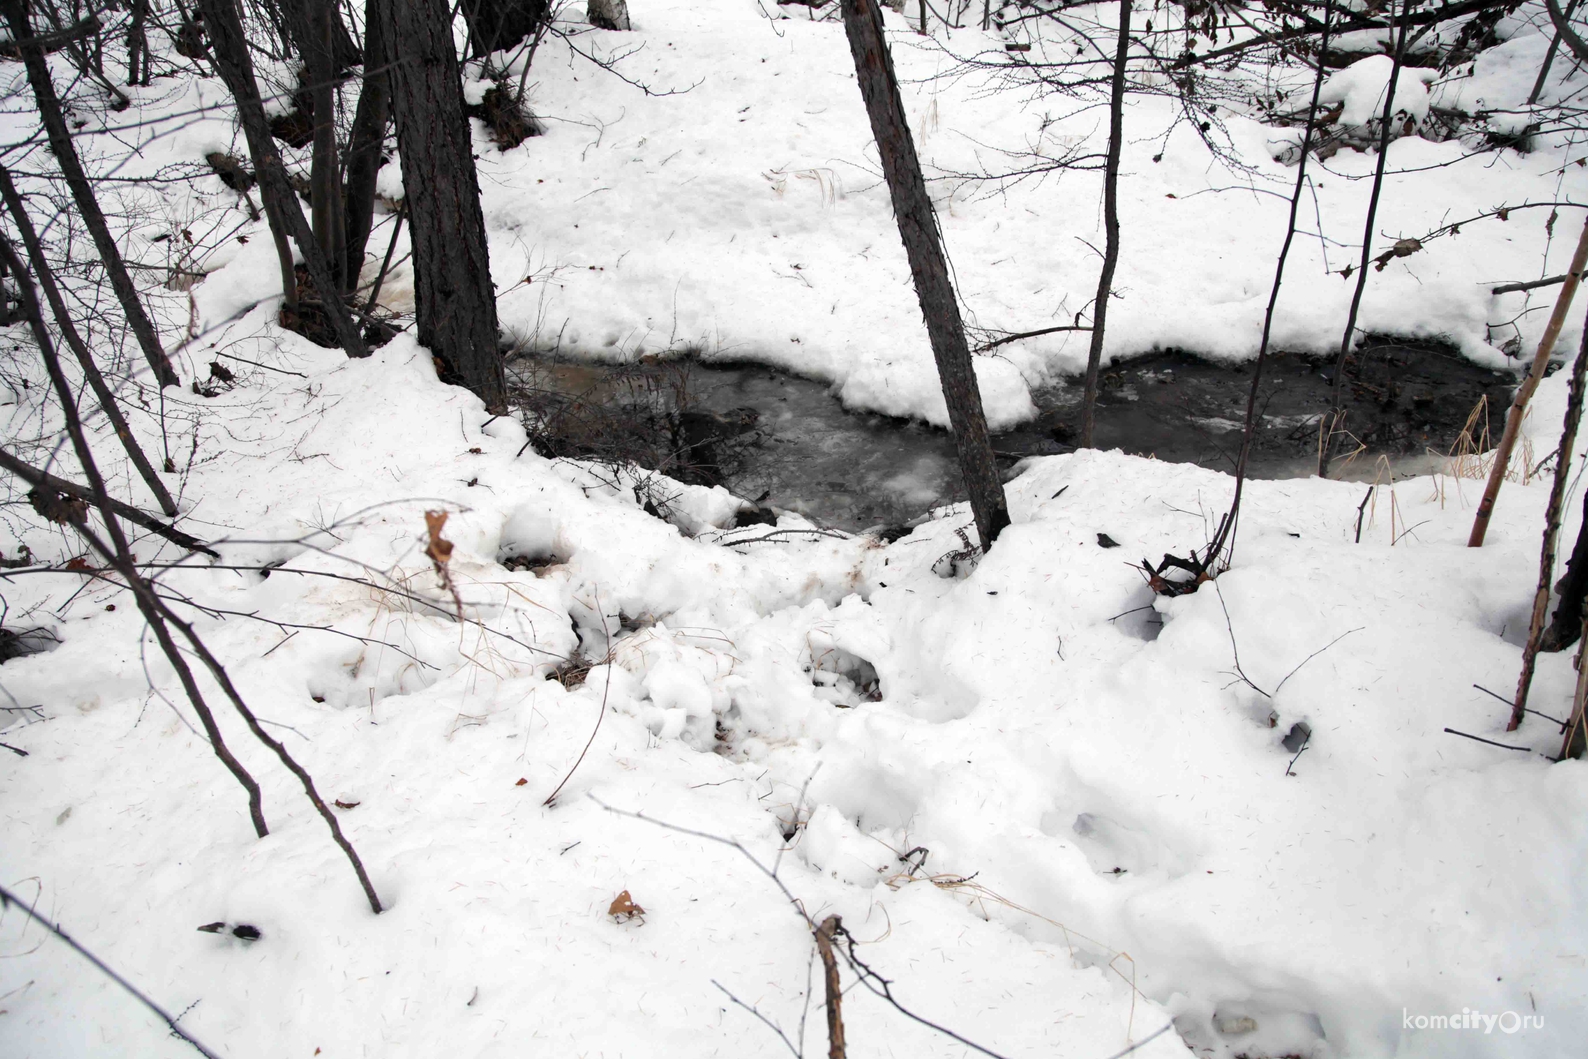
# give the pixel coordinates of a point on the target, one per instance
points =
(786, 440)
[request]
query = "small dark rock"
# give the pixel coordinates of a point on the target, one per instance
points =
(1105, 541)
(246, 932)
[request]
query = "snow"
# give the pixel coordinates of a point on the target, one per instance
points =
(1057, 813)
(1360, 87)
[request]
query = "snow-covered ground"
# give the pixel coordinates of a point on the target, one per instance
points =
(1055, 813)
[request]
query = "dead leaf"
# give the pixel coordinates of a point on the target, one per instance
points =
(340, 804)
(439, 549)
(623, 908)
(521, 782)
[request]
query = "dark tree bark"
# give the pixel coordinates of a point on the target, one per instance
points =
(229, 49)
(497, 24)
(298, 18)
(454, 300)
(366, 143)
(138, 44)
(65, 152)
(63, 319)
(608, 14)
(325, 175)
(1105, 281)
(1566, 624)
(923, 244)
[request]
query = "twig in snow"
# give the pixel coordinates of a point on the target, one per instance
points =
(1491, 742)
(1235, 652)
(1529, 709)
(1360, 508)
(1318, 652)
(7, 898)
(605, 690)
(874, 982)
(831, 928)
(774, 1027)
(1302, 749)
(15, 750)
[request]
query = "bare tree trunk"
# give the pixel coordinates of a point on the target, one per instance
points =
(498, 24)
(298, 17)
(454, 300)
(325, 175)
(1105, 281)
(1225, 537)
(229, 48)
(65, 152)
(365, 144)
(138, 44)
(1575, 739)
(923, 244)
(1546, 559)
(85, 359)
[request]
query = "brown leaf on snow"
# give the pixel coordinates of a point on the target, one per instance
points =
(439, 549)
(623, 908)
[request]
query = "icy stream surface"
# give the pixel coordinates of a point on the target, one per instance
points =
(789, 442)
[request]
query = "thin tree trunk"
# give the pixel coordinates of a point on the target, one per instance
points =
(121, 554)
(1337, 411)
(325, 175)
(229, 48)
(923, 244)
(1524, 393)
(1105, 281)
(1546, 559)
(365, 145)
(1231, 521)
(85, 359)
(138, 44)
(65, 152)
(454, 301)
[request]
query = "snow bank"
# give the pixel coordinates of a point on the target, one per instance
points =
(1004, 784)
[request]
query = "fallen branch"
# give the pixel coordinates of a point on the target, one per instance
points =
(38, 479)
(7, 899)
(1512, 288)
(1017, 336)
